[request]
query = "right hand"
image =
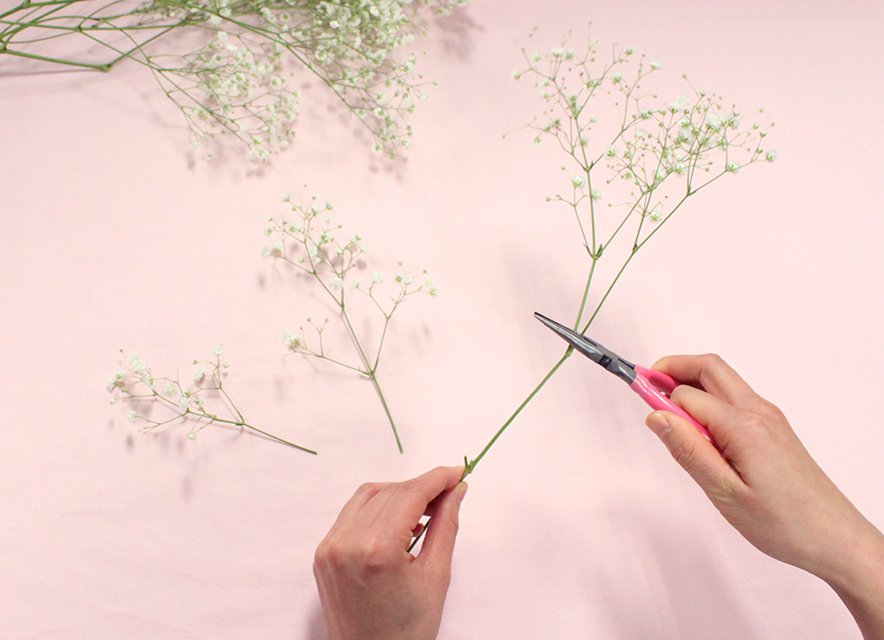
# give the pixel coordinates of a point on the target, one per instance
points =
(764, 481)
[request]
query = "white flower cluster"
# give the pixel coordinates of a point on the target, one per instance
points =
(185, 400)
(244, 88)
(639, 139)
(240, 81)
(309, 243)
(227, 64)
(136, 385)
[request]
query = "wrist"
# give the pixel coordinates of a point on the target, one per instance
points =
(858, 579)
(858, 558)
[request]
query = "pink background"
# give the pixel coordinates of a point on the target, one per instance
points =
(578, 524)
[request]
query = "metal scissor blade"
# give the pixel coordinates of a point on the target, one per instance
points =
(591, 349)
(582, 344)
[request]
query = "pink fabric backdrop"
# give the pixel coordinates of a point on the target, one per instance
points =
(578, 525)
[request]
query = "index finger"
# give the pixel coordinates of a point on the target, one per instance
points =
(712, 374)
(410, 501)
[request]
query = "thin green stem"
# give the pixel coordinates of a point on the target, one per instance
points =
(471, 465)
(377, 388)
(233, 406)
(240, 423)
(585, 292)
(607, 292)
(372, 375)
(70, 63)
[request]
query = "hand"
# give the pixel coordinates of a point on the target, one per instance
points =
(370, 587)
(767, 486)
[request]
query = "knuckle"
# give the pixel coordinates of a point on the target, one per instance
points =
(370, 556)
(773, 412)
(330, 555)
(454, 523)
(368, 489)
(319, 556)
(374, 557)
(753, 421)
(713, 361)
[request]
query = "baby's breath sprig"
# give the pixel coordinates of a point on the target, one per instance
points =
(230, 68)
(307, 242)
(632, 159)
(191, 400)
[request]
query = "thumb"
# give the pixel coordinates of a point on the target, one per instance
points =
(442, 530)
(693, 452)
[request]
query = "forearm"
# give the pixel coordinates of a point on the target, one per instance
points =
(859, 579)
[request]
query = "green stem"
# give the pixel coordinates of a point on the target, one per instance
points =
(585, 292)
(377, 388)
(70, 63)
(607, 292)
(371, 372)
(471, 465)
(239, 423)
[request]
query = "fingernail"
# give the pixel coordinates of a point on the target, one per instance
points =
(658, 423)
(461, 490)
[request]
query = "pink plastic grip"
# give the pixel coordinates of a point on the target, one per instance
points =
(654, 387)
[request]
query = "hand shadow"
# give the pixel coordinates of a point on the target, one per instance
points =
(315, 623)
(693, 593)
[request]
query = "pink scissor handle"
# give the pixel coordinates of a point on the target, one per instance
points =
(655, 387)
(662, 381)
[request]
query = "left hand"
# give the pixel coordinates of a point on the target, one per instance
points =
(370, 587)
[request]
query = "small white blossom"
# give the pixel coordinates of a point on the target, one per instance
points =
(132, 417)
(116, 382)
(336, 284)
(577, 181)
(770, 155)
(136, 364)
(218, 349)
(290, 340)
(377, 277)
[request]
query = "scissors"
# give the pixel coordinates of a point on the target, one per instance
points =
(654, 387)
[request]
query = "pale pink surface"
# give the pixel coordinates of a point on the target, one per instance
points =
(578, 524)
